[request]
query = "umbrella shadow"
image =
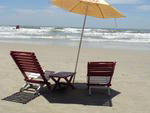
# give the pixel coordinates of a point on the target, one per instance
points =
(79, 95)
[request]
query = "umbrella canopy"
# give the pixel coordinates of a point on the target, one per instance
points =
(96, 8)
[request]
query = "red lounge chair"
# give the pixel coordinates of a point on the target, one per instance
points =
(100, 74)
(33, 74)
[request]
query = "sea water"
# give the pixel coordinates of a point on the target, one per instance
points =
(93, 37)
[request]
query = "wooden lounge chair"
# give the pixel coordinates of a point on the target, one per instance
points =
(29, 66)
(100, 74)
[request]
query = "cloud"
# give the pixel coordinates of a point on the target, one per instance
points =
(144, 8)
(2, 7)
(33, 11)
(41, 16)
(124, 1)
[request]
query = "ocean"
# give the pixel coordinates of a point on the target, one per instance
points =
(138, 39)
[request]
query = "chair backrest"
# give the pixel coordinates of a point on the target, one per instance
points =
(27, 63)
(100, 72)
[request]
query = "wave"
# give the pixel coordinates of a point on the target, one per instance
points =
(73, 34)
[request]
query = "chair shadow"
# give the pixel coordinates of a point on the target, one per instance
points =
(79, 95)
(21, 97)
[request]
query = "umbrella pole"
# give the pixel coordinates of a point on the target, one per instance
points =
(80, 44)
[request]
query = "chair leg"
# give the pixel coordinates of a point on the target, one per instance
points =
(90, 90)
(109, 93)
(72, 84)
(48, 85)
(24, 87)
(56, 83)
(37, 91)
(69, 83)
(87, 86)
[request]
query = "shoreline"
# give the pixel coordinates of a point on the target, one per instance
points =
(94, 45)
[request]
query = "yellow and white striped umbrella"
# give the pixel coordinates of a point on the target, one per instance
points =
(96, 8)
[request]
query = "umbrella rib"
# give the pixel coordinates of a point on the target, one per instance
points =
(100, 10)
(75, 6)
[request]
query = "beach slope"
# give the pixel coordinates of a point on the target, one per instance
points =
(130, 84)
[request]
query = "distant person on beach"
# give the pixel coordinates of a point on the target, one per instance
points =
(17, 26)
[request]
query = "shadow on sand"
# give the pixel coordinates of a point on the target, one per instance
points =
(79, 95)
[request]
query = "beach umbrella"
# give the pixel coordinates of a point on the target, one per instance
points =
(96, 8)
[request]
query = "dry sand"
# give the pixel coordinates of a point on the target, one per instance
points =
(130, 84)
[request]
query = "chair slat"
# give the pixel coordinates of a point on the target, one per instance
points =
(26, 61)
(25, 58)
(100, 69)
(31, 70)
(104, 73)
(28, 65)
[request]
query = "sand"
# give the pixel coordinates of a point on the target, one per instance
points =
(130, 84)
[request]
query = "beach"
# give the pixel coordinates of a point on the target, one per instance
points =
(130, 83)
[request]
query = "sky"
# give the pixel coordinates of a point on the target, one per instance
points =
(44, 13)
